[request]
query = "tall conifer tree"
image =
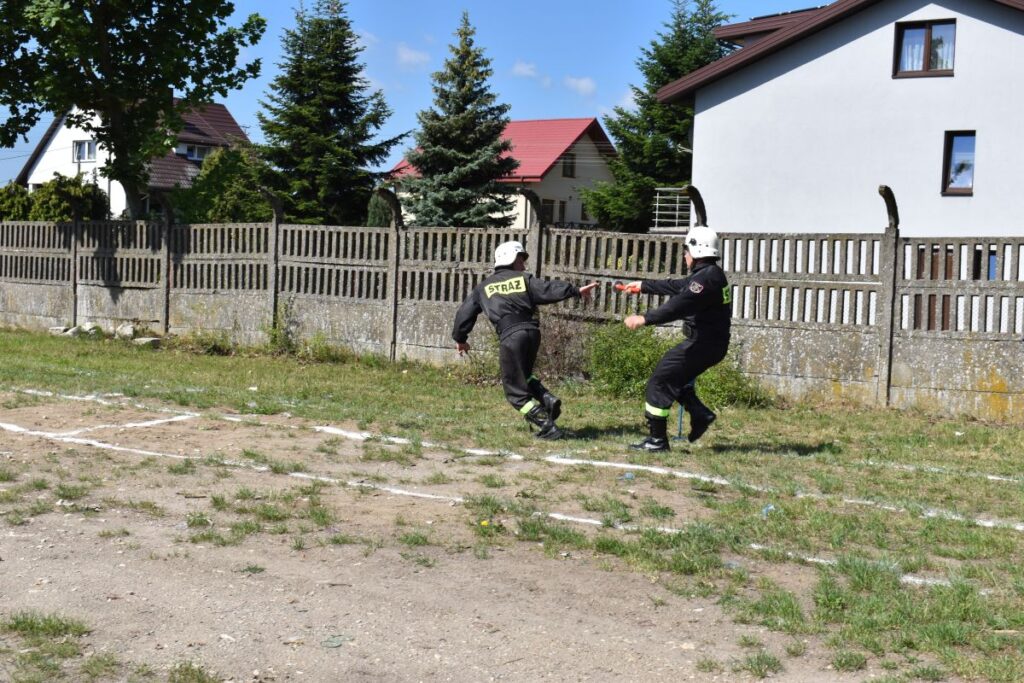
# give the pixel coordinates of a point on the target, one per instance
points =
(459, 147)
(653, 140)
(321, 120)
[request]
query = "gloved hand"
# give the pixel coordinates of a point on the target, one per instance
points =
(629, 287)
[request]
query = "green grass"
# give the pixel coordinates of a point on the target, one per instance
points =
(856, 605)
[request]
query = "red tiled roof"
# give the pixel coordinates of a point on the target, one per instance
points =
(781, 37)
(172, 170)
(538, 145)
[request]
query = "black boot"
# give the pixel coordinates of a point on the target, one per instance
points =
(658, 440)
(552, 404)
(545, 424)
(701, 416)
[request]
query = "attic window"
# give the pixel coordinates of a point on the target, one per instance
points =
(925, 48)
(197, 152)
(569, 166)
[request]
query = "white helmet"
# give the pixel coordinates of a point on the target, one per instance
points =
(506, 253)
(702, 242)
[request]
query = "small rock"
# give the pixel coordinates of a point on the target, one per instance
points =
(57, 331)
(149, 342)
(125, 331)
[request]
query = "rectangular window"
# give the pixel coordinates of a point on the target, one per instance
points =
(83, 150)
(196, 152)
(925, 49)
(584, 217)
(569, 166)
(561, 212)
(958, 163)
(547, 211)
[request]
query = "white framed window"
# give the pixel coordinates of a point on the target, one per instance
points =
(197, 152)
(83, 150)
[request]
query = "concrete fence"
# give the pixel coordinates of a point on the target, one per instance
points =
(873, 317)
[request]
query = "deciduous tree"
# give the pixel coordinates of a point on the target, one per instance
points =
(114, 68)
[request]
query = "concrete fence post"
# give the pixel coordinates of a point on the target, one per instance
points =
(396, 236)
(165, 260)
(535, 233)
(76, 231)
(888, 275)
(274, 256)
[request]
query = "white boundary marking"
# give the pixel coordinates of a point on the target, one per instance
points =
(908, 579)
(926, 512)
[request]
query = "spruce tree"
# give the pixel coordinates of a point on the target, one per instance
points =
(459, 147)
(321, 121)
(653, 141)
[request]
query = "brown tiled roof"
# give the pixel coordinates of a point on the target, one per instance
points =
(744, 32)
(211, 124)
(172, 170)
(208, 124)
(782, 37)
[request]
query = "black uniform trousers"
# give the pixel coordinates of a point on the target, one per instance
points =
(681, 366)
(517, 353)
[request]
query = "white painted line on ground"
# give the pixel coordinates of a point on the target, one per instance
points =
(928, 513)
(935, 469)
(904, 578)
(128, 425)
(366, 436)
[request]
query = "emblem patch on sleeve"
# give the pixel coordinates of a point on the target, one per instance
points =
(696, 287)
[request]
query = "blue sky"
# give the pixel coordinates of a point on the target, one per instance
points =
(551, 58)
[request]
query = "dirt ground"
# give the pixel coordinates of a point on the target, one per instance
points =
(288, 604)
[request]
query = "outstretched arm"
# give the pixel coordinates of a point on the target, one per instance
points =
(465, 319)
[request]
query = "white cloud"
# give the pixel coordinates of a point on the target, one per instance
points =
(367, 39)
(627, 101)
(524, 69)
(582, 86)
(409, 57)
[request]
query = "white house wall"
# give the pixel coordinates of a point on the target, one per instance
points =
(591, 167)
(57, 158)
(800, 141)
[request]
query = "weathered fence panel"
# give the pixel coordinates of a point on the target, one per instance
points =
(937, 323)
(36, 280)
(958, 343)
(335, 284)
(220, 281)
(437, 269)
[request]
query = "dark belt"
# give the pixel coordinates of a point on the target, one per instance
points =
(510, 321)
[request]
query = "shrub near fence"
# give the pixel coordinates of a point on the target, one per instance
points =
(873, 317)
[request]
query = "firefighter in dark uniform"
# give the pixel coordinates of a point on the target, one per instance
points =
(510, 297)
(703, 301)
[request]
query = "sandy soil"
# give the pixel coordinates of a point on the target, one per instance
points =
(373, 610)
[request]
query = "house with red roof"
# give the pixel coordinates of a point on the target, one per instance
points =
(795, 130)
(73, 151)
(557, 158)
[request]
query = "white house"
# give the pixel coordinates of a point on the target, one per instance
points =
(557, 157)
(70, 151)
(796, 129)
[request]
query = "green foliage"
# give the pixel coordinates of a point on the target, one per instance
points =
(459, 146)
(225, 191)
(653, 139)
(15, 203)
(321, 119)
(113, 66)
(378, 213)
(621, 359)
(63, 197)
